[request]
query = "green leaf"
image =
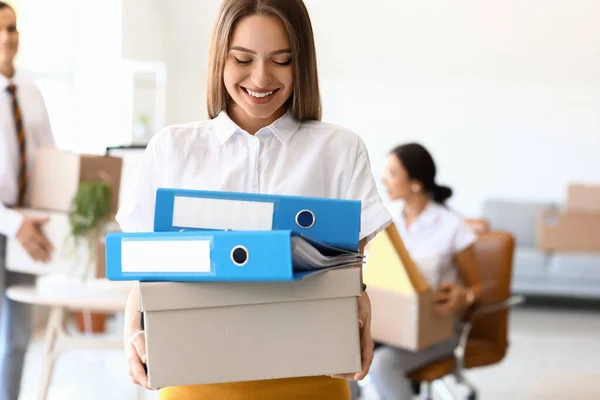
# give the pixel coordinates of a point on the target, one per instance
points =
(90, 210)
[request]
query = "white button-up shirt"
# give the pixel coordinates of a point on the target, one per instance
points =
(433, 240)
(37, 135)
(287, 158)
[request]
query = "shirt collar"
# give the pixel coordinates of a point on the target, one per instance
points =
(4, 81)
(224, 127)
(430, 214)
(427, 217)
(283, 128)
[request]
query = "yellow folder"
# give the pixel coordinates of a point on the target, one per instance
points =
(390, 267)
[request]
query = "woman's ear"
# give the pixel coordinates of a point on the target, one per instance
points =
(416, 187)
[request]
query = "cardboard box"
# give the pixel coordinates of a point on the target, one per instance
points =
(583, 198)
(568, 231)
(57, 175)
(401, 299)
(57, 230)
(213, 332)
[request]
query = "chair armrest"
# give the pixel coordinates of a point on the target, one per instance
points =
(497, 306)
(459, 350)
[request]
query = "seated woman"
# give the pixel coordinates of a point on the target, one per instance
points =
(440, 242)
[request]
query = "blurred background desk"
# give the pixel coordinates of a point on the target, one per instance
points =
(97, 295)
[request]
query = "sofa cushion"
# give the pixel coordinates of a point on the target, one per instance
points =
(529, 261)
(575, 265)
(519, 218)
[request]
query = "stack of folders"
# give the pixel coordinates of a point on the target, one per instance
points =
(230, 236)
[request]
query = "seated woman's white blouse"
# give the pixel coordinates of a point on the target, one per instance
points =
(287, 158)
(433, 239)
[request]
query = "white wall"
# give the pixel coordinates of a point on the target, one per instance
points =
(188, 27)
(143, 30)
(505, 94)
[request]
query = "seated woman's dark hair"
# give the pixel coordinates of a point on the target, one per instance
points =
(419, 165)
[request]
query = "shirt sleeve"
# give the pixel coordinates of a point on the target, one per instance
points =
(45, 137)
(374, 215)
(10, 221)
(136, 213)
(463, 237)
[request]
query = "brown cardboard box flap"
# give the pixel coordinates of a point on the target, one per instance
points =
(583, 197)
(389, 265)
(162, 296)
(568, 231)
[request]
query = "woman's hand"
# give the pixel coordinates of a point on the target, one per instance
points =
(450, 299)
(135, 349)
(366, 341)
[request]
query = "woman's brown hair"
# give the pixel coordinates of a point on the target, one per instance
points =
(305, 100)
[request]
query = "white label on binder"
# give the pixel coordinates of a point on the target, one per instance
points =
(193, 212)
(165, 255)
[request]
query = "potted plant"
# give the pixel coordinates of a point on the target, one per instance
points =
(90, 212)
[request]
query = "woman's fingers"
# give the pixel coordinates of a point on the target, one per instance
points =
(366, 346)
(138, 340)
(137, 359)
(137, 372)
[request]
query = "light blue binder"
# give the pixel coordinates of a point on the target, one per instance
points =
(332, 221)
(217, 256)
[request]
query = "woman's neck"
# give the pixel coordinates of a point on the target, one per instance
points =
(413, 207)
(252, 124)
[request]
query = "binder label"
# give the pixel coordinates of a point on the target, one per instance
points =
(166, 255)
(205, 213)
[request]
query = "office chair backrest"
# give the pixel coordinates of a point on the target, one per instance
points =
(494, 253)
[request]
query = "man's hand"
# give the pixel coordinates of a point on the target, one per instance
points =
(366, 341)
(33, 240)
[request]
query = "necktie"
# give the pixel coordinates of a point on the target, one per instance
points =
(22, 182)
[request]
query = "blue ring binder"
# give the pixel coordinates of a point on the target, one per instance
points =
(338, 220)
(305, 219)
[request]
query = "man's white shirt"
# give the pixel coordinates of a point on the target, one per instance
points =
(38, 134)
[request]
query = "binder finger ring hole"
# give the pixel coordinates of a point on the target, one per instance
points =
(305, 219)
(239, 256)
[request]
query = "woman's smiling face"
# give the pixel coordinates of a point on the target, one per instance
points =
(258, 73)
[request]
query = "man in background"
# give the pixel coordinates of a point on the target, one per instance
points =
(24, 127)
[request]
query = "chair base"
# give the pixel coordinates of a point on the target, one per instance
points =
(416, 387)
(442, 389)
(462, 380)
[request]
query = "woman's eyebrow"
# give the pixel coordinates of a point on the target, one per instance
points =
(274, 53)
